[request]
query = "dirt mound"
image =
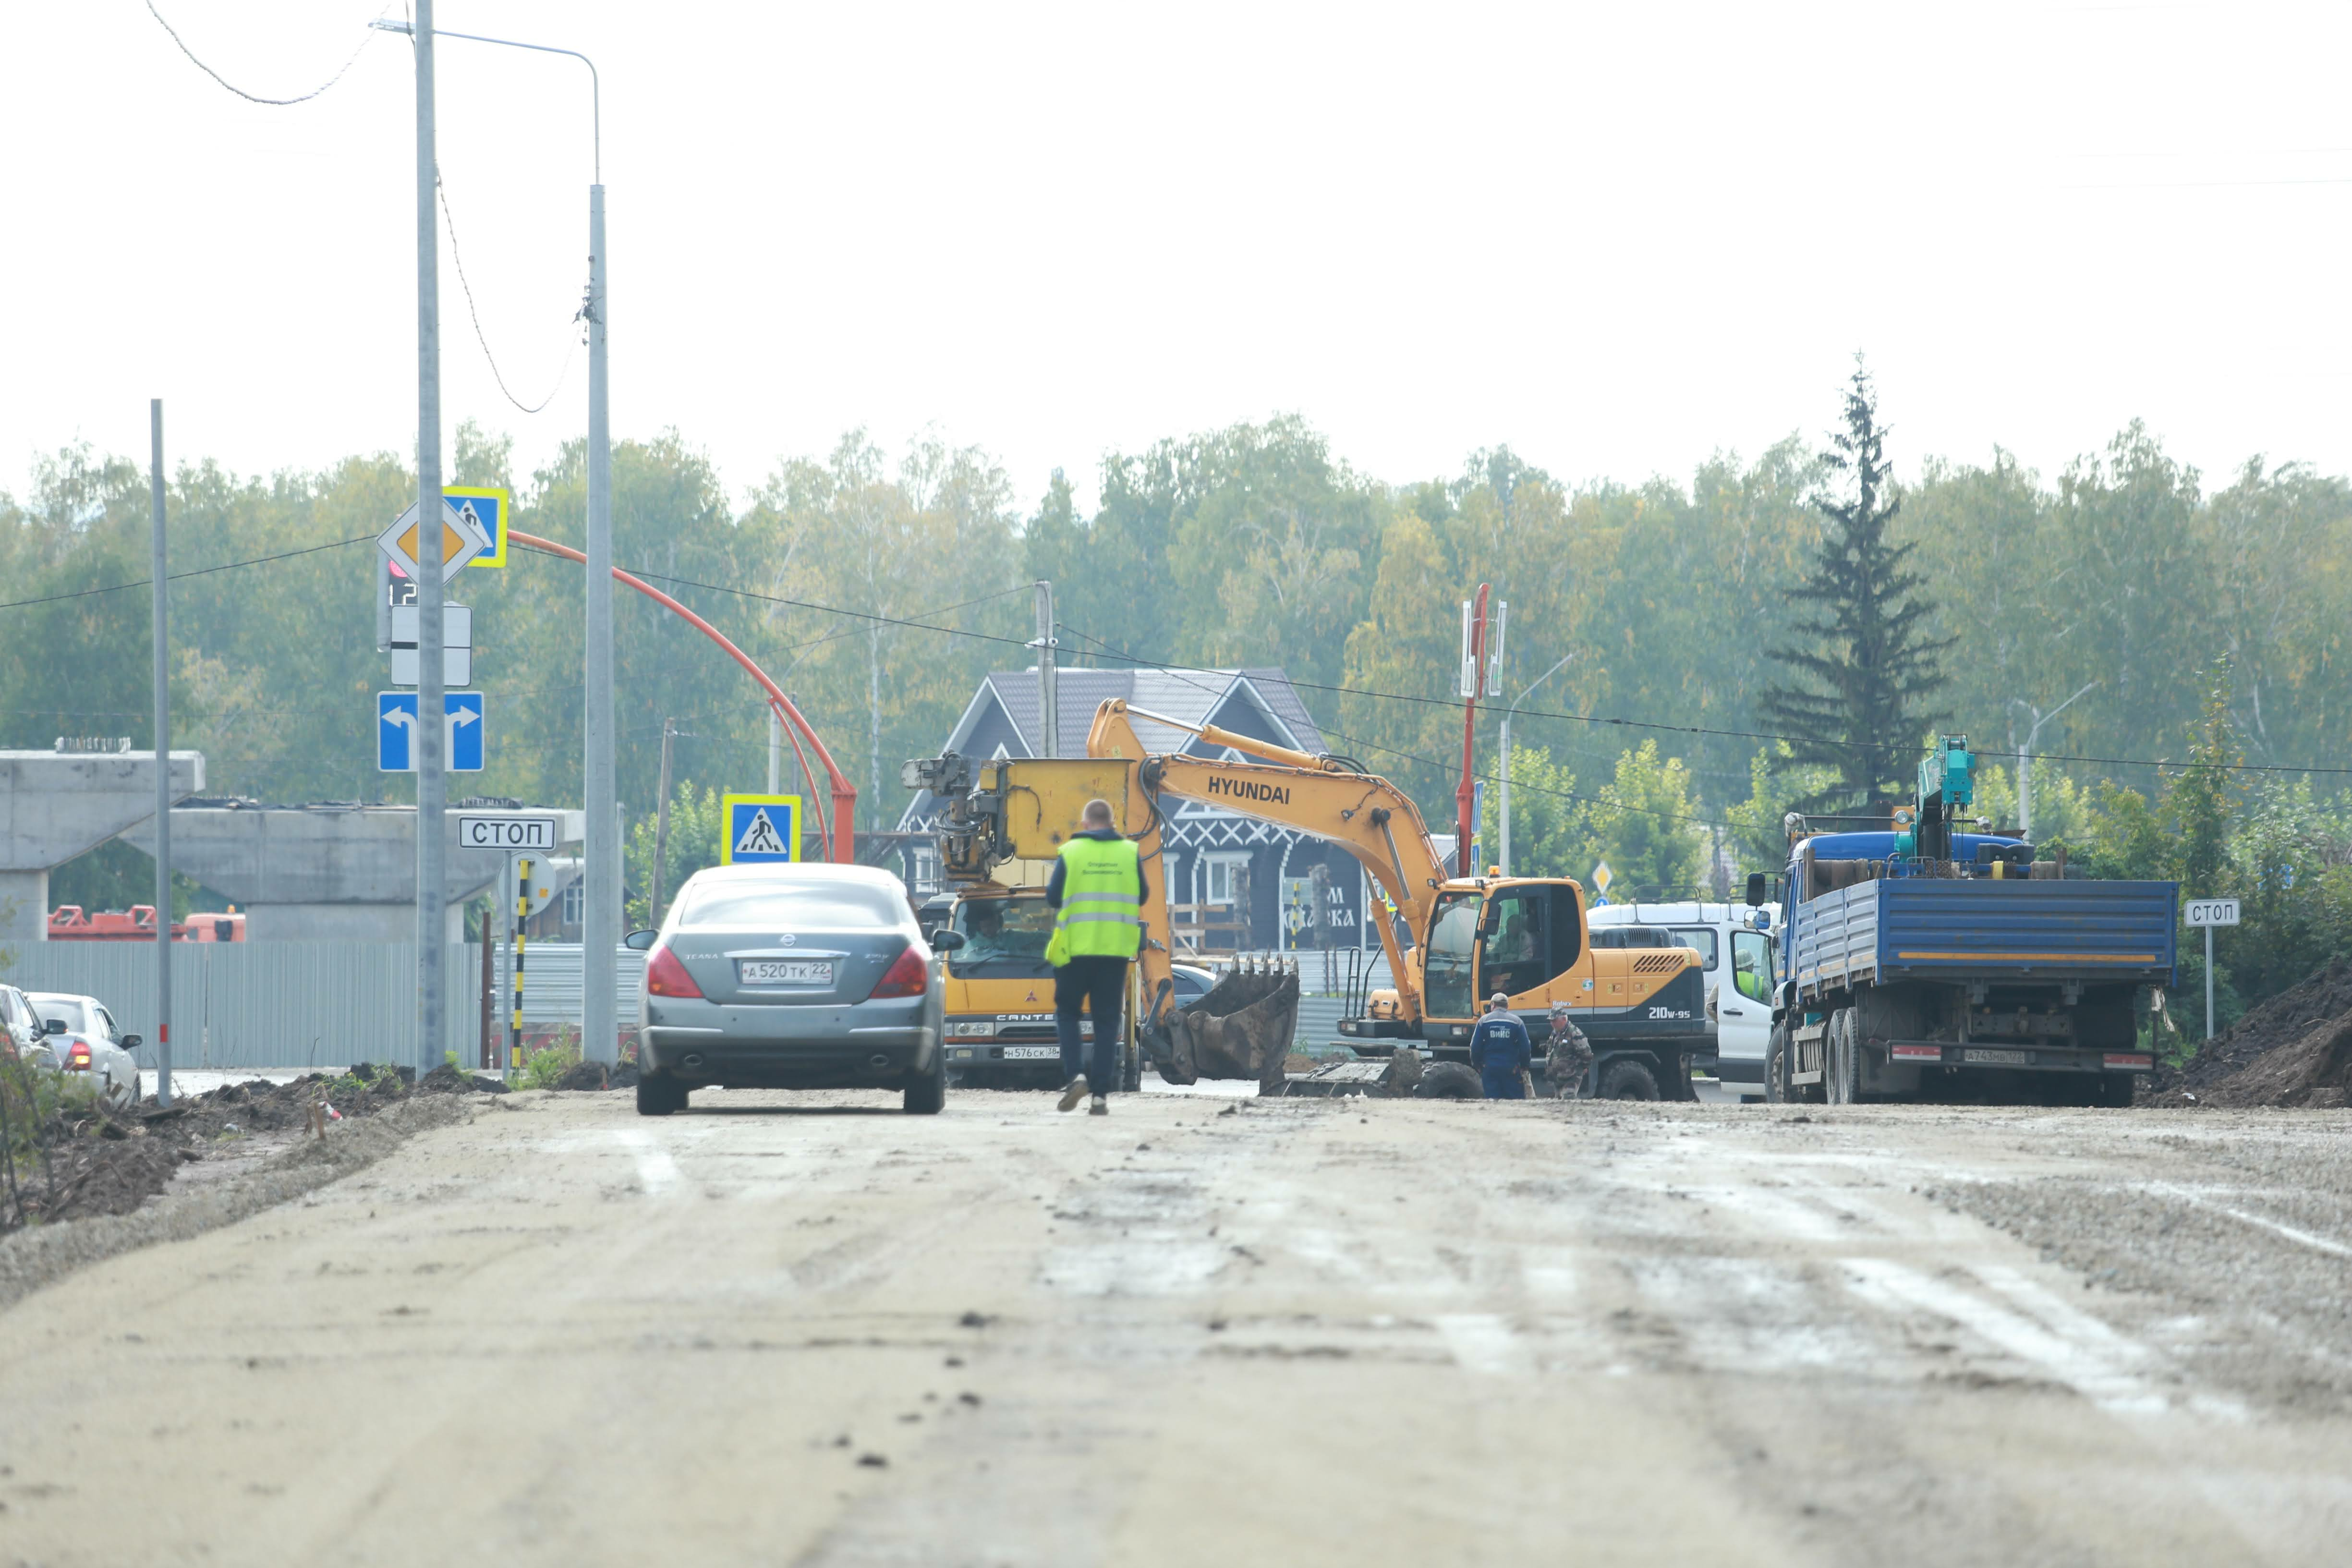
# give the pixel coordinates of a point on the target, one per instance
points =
(2293, 1049)
(87, 1161)
(447, 1079)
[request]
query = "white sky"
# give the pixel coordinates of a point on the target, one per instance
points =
(1615, 236)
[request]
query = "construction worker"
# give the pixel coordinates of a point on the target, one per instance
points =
(1500, 1050)
(1568, 1055)
(1098, 889)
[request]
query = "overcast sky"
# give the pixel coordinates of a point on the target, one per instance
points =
(1617, 237)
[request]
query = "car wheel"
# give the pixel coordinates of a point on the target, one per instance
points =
(660, 1095)
(926, 1095)
(1448, 1081)
(1628, 1078)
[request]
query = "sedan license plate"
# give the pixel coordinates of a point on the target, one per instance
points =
(1031, 1053)
(1995, 1058)
(781, 972)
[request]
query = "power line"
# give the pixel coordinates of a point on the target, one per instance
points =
(255, 97)
(475, 315)
(182, 576)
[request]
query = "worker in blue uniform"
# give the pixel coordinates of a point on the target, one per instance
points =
(1501, 1051)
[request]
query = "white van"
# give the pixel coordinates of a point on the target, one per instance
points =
(1740, 949)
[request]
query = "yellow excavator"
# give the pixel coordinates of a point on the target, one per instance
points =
(1463, 938)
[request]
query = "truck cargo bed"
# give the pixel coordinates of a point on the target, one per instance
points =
(1957, 930)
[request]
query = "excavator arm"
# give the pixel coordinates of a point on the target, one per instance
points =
(1367, 815)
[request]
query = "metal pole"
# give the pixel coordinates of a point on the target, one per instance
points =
(162, 770)
(515, 913)
(1049, 726)
(432, 922)
(599, 1032)
(1504, 859)
(661, 827)
(2209, 982)
(775, 753)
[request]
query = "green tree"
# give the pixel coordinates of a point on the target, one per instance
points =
(697, 823)
(1644, 824)
(1864, 662)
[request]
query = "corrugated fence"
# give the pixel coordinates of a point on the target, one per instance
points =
(307, 1004)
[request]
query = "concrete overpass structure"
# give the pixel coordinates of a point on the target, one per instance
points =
(55, 806)
(325, 873)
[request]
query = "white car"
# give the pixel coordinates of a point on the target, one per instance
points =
(83, 1034)
(1739, 948)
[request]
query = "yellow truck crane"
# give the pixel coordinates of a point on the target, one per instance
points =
(1643, 1009)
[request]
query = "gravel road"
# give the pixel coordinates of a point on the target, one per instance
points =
(783, 1330)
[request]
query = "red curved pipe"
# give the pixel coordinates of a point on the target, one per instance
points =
(836, 829)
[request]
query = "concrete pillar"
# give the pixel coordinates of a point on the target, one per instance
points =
(326, 873)
(55, 806)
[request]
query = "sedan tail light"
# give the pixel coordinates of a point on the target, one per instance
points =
(665, 976)
(910, 976)
(78, 1058)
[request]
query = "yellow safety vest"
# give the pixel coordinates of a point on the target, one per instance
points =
(1101, 916)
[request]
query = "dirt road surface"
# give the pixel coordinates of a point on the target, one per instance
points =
(808, 1330)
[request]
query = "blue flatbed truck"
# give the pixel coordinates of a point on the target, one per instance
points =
(1925, 963)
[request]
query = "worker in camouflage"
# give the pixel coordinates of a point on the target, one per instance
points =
(1568, 1056)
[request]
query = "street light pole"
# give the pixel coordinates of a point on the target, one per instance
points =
(432, 934)
(2025, 758)
(600, 854)
(1514, 708)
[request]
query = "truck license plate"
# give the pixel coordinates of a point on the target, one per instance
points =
(1031, 1053)
(1995, 1058)
(779, 971)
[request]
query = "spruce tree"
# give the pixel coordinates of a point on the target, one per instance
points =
(1860, 658)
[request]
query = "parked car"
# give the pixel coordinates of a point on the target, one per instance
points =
(790, 976)
(23, 1038)
(1192, 983)
(83, 1034)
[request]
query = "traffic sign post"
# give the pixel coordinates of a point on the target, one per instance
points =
(2209, 913)
(395, 731)
(759, 829)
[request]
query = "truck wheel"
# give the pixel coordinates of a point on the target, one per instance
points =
(1776, 1067)
(1628, 1078)
(1130, 1073)
(1448, 1081)
(1838, 1059)
(2115, 1090)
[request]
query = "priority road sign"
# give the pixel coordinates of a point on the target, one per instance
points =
(759, 829)
(461, 540)
(488, 510)
(508, 830)
(395, 731)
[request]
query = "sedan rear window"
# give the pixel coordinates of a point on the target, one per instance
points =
(806, 903)
(75, 1017)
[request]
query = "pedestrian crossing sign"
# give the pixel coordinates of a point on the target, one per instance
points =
(759, 829)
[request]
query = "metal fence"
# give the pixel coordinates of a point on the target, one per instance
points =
(261, 1005)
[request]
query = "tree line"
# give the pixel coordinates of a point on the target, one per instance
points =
(879, 585)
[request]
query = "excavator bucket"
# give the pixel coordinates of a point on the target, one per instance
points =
(1243, 1028)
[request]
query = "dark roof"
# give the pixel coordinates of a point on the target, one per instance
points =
(1195, 695)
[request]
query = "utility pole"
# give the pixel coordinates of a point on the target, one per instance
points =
(432, 922)
(661, 826)
(1049, 726)
(600, 854)
(162, 769)
(598, 1032)
(775, 753)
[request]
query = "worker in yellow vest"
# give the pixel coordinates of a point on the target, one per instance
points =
(1098, 889)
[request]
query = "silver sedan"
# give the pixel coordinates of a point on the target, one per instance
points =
(790, 977)
(83, 1035)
